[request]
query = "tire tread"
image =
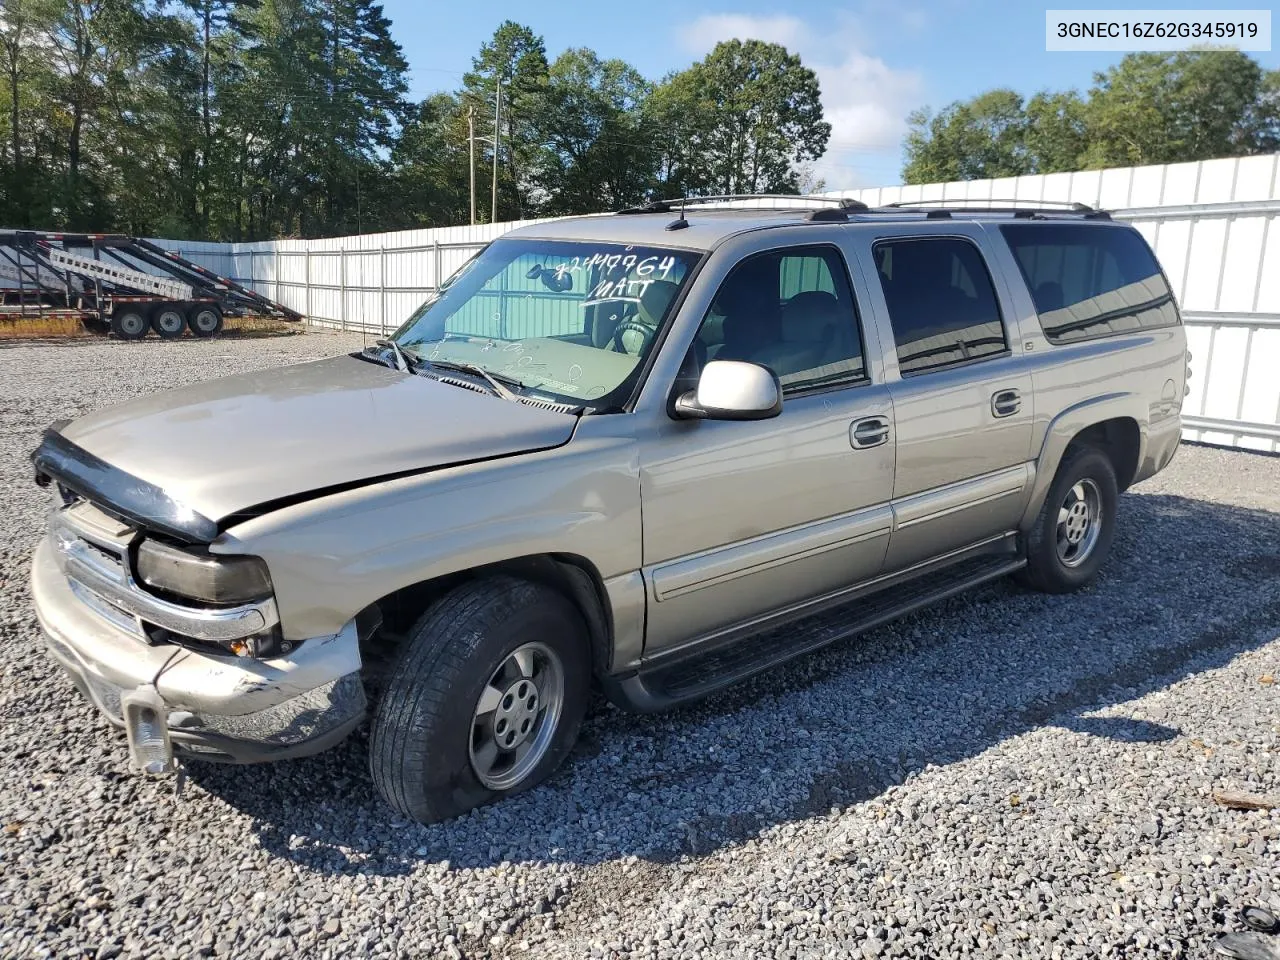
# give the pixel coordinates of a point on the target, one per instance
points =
(438, 660)
(1042, 571)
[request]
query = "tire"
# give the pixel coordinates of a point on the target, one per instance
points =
(129, 324)
(204, 320)
(168, 321)
(1071, 537)
(428, 746)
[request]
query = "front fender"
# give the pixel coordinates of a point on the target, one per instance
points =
(333, 556)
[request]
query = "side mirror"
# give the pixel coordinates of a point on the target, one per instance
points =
(731, 390)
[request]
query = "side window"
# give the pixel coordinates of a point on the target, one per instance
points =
(942, 305)
(1089, 280)
(792, 311)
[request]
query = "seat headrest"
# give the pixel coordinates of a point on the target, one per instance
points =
(750, 288)
(655, 300)
(809, 316)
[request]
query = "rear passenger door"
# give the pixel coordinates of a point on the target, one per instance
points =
(962, 398)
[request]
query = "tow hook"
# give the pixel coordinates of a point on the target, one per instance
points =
(146, 721)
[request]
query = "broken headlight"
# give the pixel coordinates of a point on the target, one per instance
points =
(202, 576)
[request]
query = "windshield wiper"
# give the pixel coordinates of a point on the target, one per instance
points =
(500, 383)
(402, 361)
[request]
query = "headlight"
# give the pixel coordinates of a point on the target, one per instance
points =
(207, 577)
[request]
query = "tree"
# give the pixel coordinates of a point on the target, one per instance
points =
(1149, 108)
(1174, 107)
(596, 150)
(317, 114)
(95, 46)
(220, 35)
(24, 25)
(985, 137)
(680, 120)
(431, 162)
(1266, 113)
(740, 120)
(1056, 132)
(516, 60)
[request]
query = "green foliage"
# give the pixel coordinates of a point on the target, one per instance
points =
(594, 136)
(1189, 106)
(583, 134)
(245, 119)
(1149, 108)
(740, 121)
(516, 59)
(985, 137)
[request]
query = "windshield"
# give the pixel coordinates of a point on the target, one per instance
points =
(569, 320)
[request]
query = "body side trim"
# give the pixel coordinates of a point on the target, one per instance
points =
(941, 501)
(685, 575)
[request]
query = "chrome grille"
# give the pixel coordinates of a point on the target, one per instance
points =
(93, 549)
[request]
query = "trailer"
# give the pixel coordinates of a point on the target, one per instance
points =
(125, 285)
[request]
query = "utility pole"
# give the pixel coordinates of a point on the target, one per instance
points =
(471, 142)
(497, 139)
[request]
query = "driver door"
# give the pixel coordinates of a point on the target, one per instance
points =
(744, 518)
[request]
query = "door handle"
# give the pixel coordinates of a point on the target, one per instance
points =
(868, 432)
(1005, 403)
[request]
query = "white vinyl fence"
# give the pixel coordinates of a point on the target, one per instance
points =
(1213, 225)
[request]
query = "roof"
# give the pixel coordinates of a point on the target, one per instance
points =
(707, 225)
(707, 228)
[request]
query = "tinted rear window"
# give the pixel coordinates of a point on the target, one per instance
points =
(1090, 281)
(942, 305)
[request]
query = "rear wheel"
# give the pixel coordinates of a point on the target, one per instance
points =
(1072, 536)
(204, 320)
(129, 324)
(168, 321)
(486, 700)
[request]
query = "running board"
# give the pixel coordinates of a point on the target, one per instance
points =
(666, 684)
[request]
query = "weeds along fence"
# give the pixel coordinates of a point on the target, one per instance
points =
(1213, 225)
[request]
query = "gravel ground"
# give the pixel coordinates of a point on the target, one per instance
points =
(1008, 774)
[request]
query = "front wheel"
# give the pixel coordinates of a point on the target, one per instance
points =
(1072, 536)
(486, 699)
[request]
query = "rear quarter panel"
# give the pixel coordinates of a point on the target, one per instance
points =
(1138, 375)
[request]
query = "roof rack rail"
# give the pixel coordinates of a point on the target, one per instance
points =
(666, 206)
(1038, 209)
(996, 203)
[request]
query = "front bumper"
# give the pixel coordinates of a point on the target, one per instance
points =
(227, 708)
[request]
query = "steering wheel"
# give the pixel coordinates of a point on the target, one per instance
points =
(633, 336)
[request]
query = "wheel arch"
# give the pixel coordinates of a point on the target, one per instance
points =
(573, 576)
(1115, 423)
(1120, 438)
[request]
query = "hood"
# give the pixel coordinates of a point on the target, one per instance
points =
(223, 446)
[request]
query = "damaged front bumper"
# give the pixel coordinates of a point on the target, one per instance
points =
(226, 708)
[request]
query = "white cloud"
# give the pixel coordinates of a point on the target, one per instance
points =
(864, 99)
(704, 33)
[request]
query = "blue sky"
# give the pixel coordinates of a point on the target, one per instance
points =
(876, 61)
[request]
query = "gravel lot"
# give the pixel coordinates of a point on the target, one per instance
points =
(1008, 774)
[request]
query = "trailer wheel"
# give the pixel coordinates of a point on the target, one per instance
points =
(204, 320)
(168, 322)
(129, 324)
